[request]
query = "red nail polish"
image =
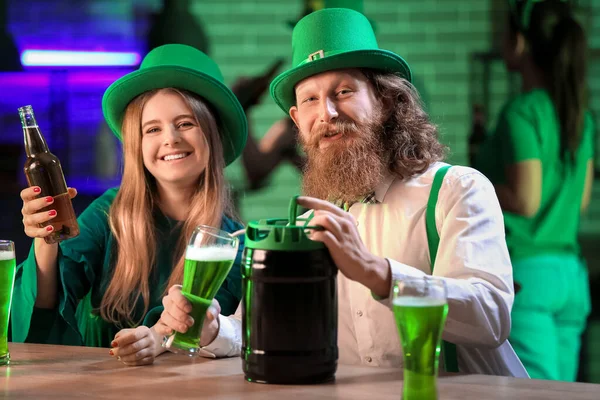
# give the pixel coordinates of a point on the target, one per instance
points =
(52, 213)
(49, 199)
(111, 352)
(114, 343)
(36, 190)
(49, 228)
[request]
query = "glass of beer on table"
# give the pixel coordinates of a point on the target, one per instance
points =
(7, 280)
(420, 309)
(208, 259)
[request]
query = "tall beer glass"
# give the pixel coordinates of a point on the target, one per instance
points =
(7, 280)
(208, 259)
(420, 309)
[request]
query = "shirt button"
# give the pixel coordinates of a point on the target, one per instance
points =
(368, 359)
(359, 313)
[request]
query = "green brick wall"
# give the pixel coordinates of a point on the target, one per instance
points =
(437, 38)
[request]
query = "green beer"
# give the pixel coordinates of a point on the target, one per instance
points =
(420, 322)
(204, 271)
(7, 279)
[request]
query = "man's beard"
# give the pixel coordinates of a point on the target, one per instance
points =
(350, 167)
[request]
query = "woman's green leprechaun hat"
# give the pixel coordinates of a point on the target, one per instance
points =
(333, 38)
(182, 67)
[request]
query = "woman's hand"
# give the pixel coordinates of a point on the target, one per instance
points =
(38, 210)
(138, 346)
(176, 317)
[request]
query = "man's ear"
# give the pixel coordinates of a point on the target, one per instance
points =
(294, 115)
(387, 106)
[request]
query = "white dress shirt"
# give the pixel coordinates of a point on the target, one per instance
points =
(472, 260)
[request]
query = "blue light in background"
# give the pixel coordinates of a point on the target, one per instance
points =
(56, 58)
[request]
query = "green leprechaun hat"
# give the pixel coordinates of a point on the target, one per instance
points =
(311, 6)
(329, 39)
(183, 67)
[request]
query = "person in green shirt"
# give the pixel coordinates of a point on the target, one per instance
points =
(180, 126)
(539, 159)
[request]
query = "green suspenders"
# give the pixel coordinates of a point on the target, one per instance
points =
(433, 240)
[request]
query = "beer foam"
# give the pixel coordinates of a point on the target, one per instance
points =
(210, 253)
(413, 301)
(6, 255)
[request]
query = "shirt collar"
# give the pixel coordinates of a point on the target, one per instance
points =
(373, 197)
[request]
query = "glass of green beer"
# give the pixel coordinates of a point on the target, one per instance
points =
(208, 259)
(7, 280)
(420, 309)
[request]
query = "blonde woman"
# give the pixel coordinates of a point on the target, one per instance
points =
(180, 126)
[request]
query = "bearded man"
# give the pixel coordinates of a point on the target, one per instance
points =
(372, 159)
(390, 209)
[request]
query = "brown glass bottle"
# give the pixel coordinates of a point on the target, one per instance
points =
(43, 169)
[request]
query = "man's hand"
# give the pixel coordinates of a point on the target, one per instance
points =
(347, 249)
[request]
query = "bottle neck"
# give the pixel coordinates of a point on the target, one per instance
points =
(34, 141)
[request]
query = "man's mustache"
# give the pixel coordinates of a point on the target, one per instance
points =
(343, 127)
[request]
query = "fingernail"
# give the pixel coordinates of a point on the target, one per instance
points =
(52, 213)
(49, 228)
(49, 199)
(190, 321)
(114, 344)
(36, 190)
(212, 310)
(112, 353)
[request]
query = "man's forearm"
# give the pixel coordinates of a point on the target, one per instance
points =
(378, 277)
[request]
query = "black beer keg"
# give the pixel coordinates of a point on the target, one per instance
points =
(289, 322)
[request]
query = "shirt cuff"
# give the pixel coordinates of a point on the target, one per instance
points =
(226, 342)
(399, 271)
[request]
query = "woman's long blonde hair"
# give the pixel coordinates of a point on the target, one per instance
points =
(131, 214)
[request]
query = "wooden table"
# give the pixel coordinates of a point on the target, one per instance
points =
(63, 372)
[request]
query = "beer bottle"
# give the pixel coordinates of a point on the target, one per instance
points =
(43, 169)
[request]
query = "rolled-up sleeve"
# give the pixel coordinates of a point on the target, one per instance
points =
(228, 342)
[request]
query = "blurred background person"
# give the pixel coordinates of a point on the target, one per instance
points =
(540, 160)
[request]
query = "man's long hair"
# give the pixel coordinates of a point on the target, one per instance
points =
(410, 138)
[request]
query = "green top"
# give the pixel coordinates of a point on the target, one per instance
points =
(85, 265)
(528, 128)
